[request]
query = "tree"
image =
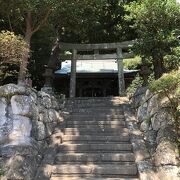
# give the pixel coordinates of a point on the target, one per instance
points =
(157, 24)
(12, 51)
(26, 16)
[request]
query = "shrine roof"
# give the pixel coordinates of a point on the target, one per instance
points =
(92, 66)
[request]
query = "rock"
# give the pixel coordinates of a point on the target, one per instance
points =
(168, 172)
(9, 90)
(53, 115)
(55, 104)
(32, 94)
(21, 105)
(3, 106)
(165, 154)
(161, 119)
(6, 126)
(137, 97)
(166, 133)
(21, 131)
(45, 99)
(142, 112)
(34, 112)
(3, 129)
(148, 95)
(150, 136)
(49, 115)
(38, 130)
(3, 120)
(145, 125)
(50, 128)
(9, 150)
(21, 167)
(153, 106)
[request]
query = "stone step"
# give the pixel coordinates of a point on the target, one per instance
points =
(88, 177)
(96, 109)
(96, 113)
(96, 126)
(98, 157)
(95, 131)
(115, 122)
(91, 100)
(92, 105)
(88, 138)
(97, 117)
(94, 147)
(96, 170)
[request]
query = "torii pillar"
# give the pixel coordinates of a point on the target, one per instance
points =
(72, 93)
(121, 82)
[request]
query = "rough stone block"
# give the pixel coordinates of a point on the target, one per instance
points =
(21, 130)
(161, 119)
(3, 106)
(6, 125)
(142, 113)
(153, 106)
(38, 130)
(166, 154)
(9, 90)
(21, 167)
(166, 133)
(21, 105)
(44, 99)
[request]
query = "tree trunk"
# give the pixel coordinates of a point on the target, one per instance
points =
(24, 63)
(158, 65)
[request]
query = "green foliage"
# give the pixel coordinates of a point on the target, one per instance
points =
(133, 63)
(137, 82)
(169, 86)
(1, 172)
(172, 62)
(157, 25)
(92, 21)
(12, 50)
(41, 45)
(14, 13)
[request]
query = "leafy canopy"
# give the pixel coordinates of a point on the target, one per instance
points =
(12, 48)
(157, 24)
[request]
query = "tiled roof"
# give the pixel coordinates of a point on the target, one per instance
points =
(91, 66)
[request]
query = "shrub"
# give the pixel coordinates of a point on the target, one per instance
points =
(12, 50)
(137, 82)
(132, 64)
(169, 86)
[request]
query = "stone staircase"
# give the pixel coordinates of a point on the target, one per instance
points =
(95, 142)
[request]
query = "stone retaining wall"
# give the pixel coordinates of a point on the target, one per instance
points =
(155, 121)
(27, 120)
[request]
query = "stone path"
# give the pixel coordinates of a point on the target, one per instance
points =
(95, 143)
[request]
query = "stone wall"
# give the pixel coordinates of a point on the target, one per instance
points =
(155, 121)
(27, 121)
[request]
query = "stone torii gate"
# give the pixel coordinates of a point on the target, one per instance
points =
(94, 54)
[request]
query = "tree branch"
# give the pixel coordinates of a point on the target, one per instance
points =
(10, 25)
(42, 22)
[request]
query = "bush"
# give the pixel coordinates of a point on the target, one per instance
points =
(12, 50)
(132, 64)
(169, 86)
(172, 62)
(137, 82)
